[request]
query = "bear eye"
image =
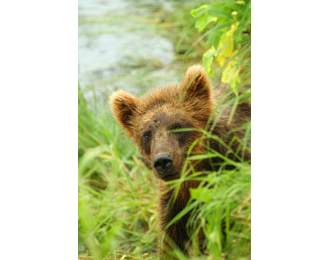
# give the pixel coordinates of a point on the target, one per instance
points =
(176, 126)
(147, 135)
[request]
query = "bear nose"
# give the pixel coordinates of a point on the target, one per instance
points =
(163, 163)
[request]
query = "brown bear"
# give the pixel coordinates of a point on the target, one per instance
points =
(153, 122)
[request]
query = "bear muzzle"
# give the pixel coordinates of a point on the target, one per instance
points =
(163, 164)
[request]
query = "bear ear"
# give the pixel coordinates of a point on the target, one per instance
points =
(196, 84)
(123, 106)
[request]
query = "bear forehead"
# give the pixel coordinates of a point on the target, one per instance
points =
(163, 118)
(165, 96)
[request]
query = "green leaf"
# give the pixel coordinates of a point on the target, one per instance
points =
(214, 38)
(198, 10)
(223, 9)
(208, 61)
(203, 21)
(231, 75)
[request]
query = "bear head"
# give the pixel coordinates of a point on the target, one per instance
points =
(154, 120)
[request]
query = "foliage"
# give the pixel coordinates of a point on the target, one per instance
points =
(227, 26)
(117, 195)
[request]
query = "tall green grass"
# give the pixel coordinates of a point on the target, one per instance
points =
(117, 195)
(118, 217)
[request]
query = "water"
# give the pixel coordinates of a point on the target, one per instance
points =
(121, 46)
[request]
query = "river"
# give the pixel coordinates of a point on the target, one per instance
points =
(121, 46)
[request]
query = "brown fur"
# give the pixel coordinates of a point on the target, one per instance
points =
(187, 105)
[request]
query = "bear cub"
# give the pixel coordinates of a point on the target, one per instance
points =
(150, 121)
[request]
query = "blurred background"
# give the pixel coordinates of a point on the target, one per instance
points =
(136, 46)
(130, 45)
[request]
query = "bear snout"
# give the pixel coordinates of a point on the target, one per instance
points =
(163, 164)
